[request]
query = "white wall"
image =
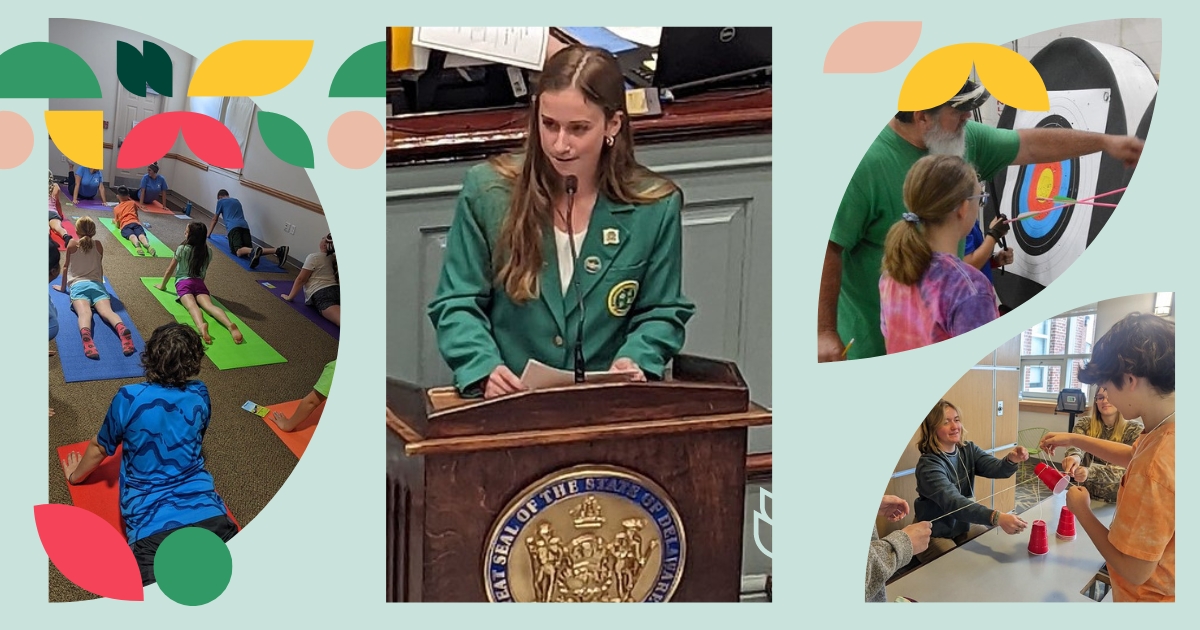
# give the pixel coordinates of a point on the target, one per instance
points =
(96, 43)
(1142, 36)
(1108, 312)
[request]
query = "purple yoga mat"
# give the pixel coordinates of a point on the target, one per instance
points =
(281, 287)
(90, 204)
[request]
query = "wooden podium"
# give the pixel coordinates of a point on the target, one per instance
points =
(455, 465)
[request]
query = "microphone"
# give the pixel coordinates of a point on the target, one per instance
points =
(572, 185)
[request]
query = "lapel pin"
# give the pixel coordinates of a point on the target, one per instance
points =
(592, 264)
(612, 236)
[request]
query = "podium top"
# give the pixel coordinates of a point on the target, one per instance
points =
(701, 394)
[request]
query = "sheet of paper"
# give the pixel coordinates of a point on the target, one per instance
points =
(521, 46)
(644, 35)
(538, 375)
(599, 37)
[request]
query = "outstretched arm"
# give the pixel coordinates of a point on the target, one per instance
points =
(78, 467)
(1052, 145)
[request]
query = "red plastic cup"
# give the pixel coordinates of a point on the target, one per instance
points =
(1054, 480)
(1039, 545)
(1066, 525)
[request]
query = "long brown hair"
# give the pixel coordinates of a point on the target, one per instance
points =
(533, 182)
(85, 227)
(1096, 426)
(933, 189)
(929, 427)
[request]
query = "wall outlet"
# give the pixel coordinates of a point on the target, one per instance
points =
(1000, 408)
(62, 158)
(293, 230)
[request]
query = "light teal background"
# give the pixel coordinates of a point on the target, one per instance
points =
(314, 556)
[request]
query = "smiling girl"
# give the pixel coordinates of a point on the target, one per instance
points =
(946, 475)
(1101, 478)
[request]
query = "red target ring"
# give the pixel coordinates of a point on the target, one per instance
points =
(1046, 184)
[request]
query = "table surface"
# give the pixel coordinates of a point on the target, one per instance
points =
(997, 567)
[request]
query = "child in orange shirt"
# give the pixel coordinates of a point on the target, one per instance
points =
(126, 216)
(1135, 362)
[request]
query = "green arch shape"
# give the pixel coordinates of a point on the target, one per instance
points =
(362, 74)
(45, 70)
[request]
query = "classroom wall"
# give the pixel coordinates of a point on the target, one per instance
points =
(1108, 312)
(267, 214)
(1142, 36)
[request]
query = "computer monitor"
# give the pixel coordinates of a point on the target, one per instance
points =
(690, 57)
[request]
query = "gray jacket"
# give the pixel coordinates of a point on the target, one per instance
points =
(942, 488)
(887, 556)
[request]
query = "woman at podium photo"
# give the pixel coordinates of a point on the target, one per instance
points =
(569, 244)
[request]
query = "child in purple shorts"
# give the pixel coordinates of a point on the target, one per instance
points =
(189, 265)
(927, 294)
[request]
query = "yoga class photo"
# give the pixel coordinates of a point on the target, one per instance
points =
(1046, 473)
(194, 311)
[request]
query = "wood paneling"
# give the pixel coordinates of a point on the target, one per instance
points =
(972, 394)
(910, 455)
(990, 359)
(1008, 388)
(1009, 355)
(983, 491)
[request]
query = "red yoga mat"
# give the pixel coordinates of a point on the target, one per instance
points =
(70, 228)
(100, 494)
(296, 441)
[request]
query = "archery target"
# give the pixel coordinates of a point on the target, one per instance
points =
(1047, 243)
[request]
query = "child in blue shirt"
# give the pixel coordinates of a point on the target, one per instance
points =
(237, 230)
(160, 425)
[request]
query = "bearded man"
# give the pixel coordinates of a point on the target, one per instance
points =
(873, 202)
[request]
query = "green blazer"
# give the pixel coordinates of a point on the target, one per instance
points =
(632, 298)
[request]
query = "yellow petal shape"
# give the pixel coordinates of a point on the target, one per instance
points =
(250, 68)
(79, 135)
(940, 74)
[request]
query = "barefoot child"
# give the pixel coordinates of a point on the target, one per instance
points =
(126, 216)
(189, 265)
(319, 393)
(1135, 363)
(160, 425)
(83, 279)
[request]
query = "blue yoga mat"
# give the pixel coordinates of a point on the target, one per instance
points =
(266, 264)
(112, 364)
(279, 288)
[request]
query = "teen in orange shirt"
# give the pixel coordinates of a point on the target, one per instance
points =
(126, 216)
(1135, 362)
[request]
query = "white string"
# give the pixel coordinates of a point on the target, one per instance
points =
(1037, 495)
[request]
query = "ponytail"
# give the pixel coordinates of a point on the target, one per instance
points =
(906, 253)
(332, 256)
(85, 227)
(934, 188)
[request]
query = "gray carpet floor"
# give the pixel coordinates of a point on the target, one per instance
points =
(247, 461)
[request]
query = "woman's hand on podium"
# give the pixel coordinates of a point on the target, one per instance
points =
(627, 365)
(502, 382)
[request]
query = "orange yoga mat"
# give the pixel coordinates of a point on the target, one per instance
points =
(100, 494)
(156, 208)
(296, 441)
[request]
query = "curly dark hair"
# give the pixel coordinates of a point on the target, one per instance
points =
(1142, 345)
(172, 355)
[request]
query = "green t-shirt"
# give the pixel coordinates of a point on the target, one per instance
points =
(873, 202)
(183, 267)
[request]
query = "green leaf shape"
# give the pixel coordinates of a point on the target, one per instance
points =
(130, 72)
(159, 69)
(45, 70)
(135, 68)
(362, 74)
(285, 139)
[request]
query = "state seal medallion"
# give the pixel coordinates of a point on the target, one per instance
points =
(586, 534)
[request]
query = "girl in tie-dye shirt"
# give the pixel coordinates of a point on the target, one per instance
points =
(926, 293)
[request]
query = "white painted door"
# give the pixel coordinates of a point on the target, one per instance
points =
(131, 109)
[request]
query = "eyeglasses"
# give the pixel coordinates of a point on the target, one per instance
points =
(983, 198)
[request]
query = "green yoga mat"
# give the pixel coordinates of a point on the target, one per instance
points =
(162, 250)
(225, 354)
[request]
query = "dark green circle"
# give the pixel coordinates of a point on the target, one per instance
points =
(193, 566)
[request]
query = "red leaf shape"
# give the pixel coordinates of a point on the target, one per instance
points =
(88, 551)
(152, 138)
